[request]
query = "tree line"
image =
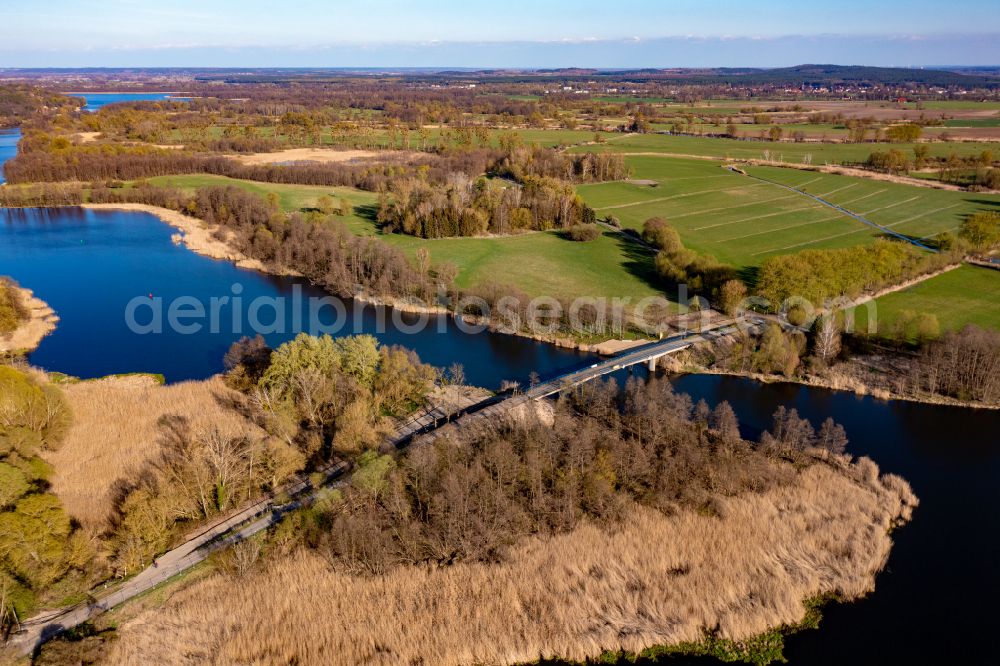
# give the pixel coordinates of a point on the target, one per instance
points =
(820, 275)
(470, 495)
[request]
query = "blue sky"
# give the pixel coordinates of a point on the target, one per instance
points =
(514, 33)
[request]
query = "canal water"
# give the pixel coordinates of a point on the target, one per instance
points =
(8, 147)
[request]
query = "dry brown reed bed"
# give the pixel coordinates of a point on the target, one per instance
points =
(115, 431)
(655, 580)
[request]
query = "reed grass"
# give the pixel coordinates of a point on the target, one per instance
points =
(655, 579)
(115, 432)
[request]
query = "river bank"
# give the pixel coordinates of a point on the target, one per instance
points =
(859, 375)
(209, 241)
(41, 321)
(215, 242)
(656, 579)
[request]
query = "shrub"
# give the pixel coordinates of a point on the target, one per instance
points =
(12, 309)
(583, 232)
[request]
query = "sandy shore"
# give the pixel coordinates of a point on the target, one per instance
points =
(326, 155)
(42, 320)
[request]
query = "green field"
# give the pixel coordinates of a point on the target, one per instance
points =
(538, 263)
(973, 122)
(742, 221)
(955, 104)
(291, 197)
(818, 153)
(546, 263)
(966, 295)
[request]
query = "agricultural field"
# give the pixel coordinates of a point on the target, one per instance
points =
(816, 153)
(966, 295)
(742, 221)
(379, 137)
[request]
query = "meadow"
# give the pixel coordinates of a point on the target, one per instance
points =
(966, 295)
(541, 263)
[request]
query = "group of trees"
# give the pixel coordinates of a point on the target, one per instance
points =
(21, 102)
(328, 394)
(42, 552)
(981, 231)
(469, 495)
(467, 207)
(962, 364)
(196, 475)
(316, 398)
(903, 133)
(820, 275)
(974, 171)
(522, 162)
(702, 273)
(776, 351)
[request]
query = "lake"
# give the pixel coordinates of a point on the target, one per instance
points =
(8, 147)
(932, 604)
(96, 101)
(88, 265)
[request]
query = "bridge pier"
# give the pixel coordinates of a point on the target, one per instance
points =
(652, 364)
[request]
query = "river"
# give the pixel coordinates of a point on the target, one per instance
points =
(88, 265)
(8, 147)
(933, 602)
(96, 101)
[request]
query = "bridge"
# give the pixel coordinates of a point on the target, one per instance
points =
(304, 490)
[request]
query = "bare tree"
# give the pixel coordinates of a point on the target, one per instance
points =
(832, 437)
(827, 339)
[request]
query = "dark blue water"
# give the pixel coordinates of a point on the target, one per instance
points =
(8, 147)
(935, 601)
(96, 101)
(88, 265)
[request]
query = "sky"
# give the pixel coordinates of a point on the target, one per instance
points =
(513, 33)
